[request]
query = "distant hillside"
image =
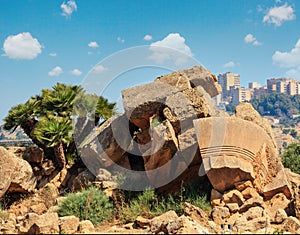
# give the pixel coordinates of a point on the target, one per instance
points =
(7, 135)
(278, 105)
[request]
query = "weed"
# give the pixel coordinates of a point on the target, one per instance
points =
(90, 204)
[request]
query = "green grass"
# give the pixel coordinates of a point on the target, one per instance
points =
(90, 204)
(148, 204)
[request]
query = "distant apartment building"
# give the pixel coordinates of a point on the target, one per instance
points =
(258, 92)
(240, 94)
(228, 80)
(283, 85)
(253, 85)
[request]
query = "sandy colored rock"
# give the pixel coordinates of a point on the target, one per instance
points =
(142, 222)
(280, 216)
(159, 223)
(86, 226)
(195, 213)
(233, 196)
(241, 225)
(107, 144)
(253, 212)
(252, 202)
(16, 174)
(68, 224)
(233, 207)
(44, 224)
(246, 112)
(220, 214)
(249, 193)
(243, 185)
(291, 224)
(233, 158)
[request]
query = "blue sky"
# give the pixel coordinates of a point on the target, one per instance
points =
(45, 42)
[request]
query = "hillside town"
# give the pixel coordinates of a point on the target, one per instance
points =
(233, 92)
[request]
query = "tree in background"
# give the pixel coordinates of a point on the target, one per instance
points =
(291, 157)
(47, 119)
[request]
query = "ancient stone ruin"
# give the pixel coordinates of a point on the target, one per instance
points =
(188, 138)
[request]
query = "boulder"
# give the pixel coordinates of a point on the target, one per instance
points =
(42, 224)
(233, 196)
(195, 213)
(229, 158)
(16, 174)
(220, 214)
(253, 213)
(86, 226)
(68, 224)
(242, 225)
(193, 77)
(107, 144)
(140, 105)
(252, 202)
(246, 112)
(160, 223)
(291, 224)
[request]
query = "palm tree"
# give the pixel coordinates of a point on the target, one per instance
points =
(104, 110)
(25, 116)
(55, 133)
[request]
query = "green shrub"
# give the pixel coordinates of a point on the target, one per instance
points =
(148, 204)
(91, 204)
(291, 157)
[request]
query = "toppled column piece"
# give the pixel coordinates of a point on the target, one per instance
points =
(234, 150)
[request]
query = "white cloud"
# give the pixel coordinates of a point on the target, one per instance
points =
(147, 37)
(93, 44)
(288, 59)
(76, 72)
(121, 40)
(229, 64)
(172, 47)
(53, 54)
(293, 73)
(99, 68)
(22, 46)
(277, 15)
(55, 71)
(249, 38)
(68, 8)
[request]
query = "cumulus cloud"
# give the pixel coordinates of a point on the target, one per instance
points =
(147, 37)
(68, 8)
(93, 44)
(229, 64)
(172, 47)
(99, 68)
(250, 39)
(76, 72)
(277, 15)
(55, 71)
(53, 54)
(22, 46)
(121, 40)
(288, 59)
